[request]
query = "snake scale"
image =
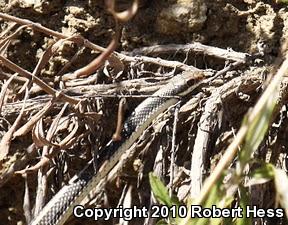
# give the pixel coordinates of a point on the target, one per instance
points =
(60, 207)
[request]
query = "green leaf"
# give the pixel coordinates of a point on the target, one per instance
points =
(244, 201)
(160, 191)
(258, 127)
(161, 222)
(282, 1)
(262, 175)
(228, 221)
(216, 196)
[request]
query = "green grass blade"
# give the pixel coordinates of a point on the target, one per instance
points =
(161, 192)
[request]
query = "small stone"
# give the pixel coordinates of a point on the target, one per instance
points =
(183, 16)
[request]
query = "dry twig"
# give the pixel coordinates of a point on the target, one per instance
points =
(228, 54)
(7, 138)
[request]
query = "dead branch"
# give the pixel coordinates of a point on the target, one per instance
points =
(141, 86)
(7, 138)
(197, 47)
(4, 90)
(49, 90)
(26, 201)
(173, 149)
(162, 63)
(40, 28)
(208, 122)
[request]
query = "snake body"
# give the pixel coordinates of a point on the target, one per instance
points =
(60, 207)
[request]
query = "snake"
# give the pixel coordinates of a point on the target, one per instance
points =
(60, 207)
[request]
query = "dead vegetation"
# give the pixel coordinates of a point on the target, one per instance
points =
(57, 118)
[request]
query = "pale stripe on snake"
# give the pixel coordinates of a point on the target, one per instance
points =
(60, 207)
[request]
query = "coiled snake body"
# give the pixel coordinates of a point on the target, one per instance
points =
(60, 207)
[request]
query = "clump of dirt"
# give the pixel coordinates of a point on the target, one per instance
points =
(182, 16)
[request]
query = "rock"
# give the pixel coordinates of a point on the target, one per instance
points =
(42, 6)
(183, 16)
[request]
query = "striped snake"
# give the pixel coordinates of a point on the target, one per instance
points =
(60, 207)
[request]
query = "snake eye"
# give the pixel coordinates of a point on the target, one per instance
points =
(194, 78)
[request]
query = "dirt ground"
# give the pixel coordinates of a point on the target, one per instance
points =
(247, 26)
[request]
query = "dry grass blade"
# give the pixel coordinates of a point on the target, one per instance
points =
(173, 148)
(93, 116)
(83, 72)
(166, 63)
(49, 90)
(45, 58)
(38, 135)
(8, 29)
(232, 149)
(70, 76)
(268, 97)
(54, 128)
(43, 161)
(40, 28)
(197, 47)
(40, 140)
(281, 184)
(29, 125)
(6, 140)
(54, 124)
(96, 63)
(120, 119)
(4, 75)
(251, 133)
(4, 90)
(26, 201)
(127, 204)
(41, 193)
(70, 139)
(11, 36)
